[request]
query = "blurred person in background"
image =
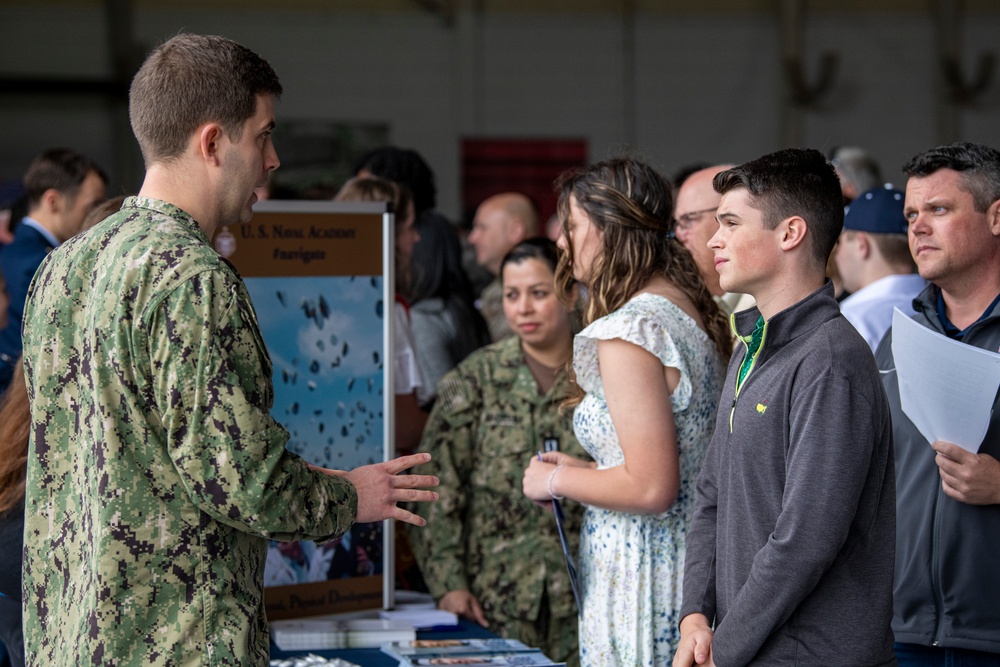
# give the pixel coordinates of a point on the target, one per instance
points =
(11, 198)
(403, 166)
(62, 186)
(103, 210)
(502, 221)
(15, 419)
(875, 265)
(446, 325)
(409, 382)
(857, 170)
(697, 202)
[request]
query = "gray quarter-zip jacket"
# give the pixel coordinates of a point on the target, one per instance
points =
(791, 548)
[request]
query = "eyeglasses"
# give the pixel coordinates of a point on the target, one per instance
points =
(685, 221)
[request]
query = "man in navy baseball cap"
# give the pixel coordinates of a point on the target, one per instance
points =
(874, 262)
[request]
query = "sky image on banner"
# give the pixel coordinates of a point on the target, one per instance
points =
(324, 336)
(317, 276)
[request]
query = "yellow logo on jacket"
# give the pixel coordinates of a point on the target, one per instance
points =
(761, 407)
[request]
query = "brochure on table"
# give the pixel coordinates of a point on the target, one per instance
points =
(495, 652)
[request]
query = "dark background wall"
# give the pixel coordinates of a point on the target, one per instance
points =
(676, 83)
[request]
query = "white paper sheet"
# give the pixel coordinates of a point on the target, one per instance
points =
(946, 388)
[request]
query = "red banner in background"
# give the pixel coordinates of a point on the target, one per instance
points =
(528, 166)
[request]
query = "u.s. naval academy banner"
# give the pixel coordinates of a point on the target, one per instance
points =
(320, 275)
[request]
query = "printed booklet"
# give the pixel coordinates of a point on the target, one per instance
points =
(533, 659)
(498, 652)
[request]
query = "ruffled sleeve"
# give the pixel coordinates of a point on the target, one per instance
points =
(652, 323)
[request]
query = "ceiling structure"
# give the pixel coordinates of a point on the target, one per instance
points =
(450, 7)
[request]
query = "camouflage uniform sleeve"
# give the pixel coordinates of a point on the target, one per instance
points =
(211, 380)
(440, 546)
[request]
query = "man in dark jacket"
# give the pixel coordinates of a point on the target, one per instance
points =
(790, 552)
(947, 590)
(62, 186)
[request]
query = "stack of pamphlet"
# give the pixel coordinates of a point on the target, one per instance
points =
(485, 652)
(421, 619)
(313, 634)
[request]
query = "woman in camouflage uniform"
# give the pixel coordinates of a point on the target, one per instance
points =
(487, 552)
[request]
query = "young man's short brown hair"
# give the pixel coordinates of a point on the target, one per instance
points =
(194, 79)
(792, 181)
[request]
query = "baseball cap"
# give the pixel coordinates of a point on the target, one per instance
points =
(879, 211)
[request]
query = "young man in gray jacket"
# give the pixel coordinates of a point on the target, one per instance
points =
(790, 553)
(947, 593)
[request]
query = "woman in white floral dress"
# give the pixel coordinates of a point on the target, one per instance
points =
(649, 366)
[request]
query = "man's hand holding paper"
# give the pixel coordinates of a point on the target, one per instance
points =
(970, 478)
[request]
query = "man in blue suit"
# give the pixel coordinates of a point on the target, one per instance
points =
(62, 186)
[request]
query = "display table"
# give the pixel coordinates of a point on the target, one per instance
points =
(373, 657)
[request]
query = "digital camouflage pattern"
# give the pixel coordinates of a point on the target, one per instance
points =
(483, 534)
(156, 475)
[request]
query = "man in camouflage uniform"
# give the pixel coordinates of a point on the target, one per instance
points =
(156, 475)
(485, 539)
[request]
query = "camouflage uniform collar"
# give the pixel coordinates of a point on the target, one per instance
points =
(172, 211)
(512, 369)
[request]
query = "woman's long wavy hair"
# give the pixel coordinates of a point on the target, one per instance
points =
(632, 205)
(15, 424)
